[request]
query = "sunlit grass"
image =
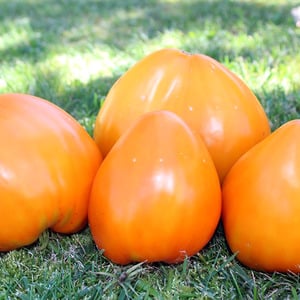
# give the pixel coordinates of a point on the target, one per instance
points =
(71, 52)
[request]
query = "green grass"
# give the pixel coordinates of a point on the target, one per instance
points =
(71, 52)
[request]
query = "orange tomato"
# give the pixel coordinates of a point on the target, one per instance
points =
(156, 196)
(261, 203)
(209, 97)
(47, 165)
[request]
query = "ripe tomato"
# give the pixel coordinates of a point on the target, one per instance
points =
(209, 97)
(47, 165)
(156, 196)
(261, 203)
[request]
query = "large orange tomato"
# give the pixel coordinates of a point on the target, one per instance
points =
(47, 165)
(208, 96)
(156, 196)
(261, 203)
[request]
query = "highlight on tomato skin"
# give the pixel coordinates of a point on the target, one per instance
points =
(207, 95)
(261, 206)
(47, 165)
(157, 195)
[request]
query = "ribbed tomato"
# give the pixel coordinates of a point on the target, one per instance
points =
(261, 203)
(209, 97)
(156, 196)
(47, 165)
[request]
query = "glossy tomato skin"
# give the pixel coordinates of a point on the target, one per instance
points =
(156, 196)
(47, 165)
(208, 96)
(261, 203)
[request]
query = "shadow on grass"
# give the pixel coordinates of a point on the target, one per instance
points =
(280, 106)
(82, 100)
(119, 23)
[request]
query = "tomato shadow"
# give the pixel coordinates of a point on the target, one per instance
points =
(80, 99)
(280, 106)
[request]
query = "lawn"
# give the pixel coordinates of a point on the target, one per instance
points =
(70, 52)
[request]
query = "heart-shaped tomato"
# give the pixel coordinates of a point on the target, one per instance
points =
(156, 196)
(208, 96)
(47, 165)
(261, 203)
